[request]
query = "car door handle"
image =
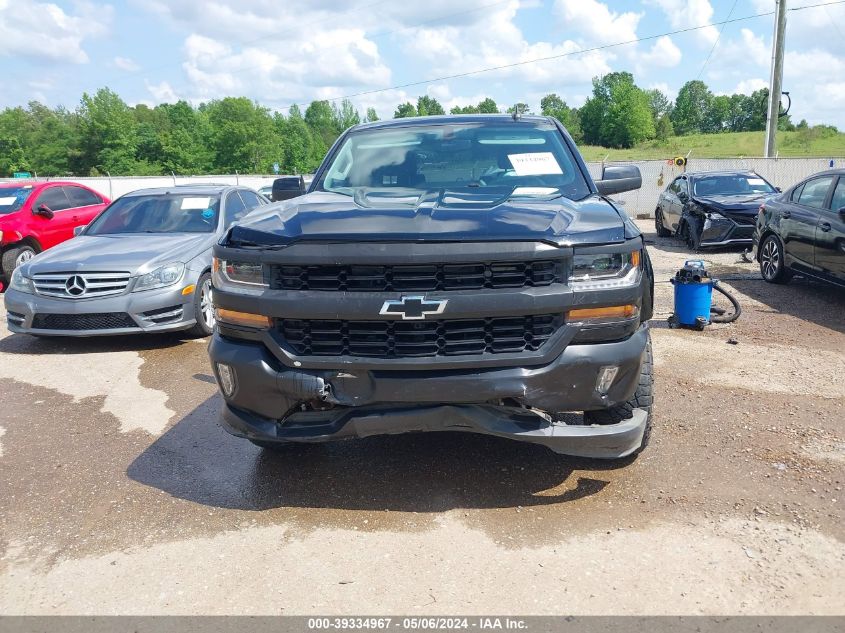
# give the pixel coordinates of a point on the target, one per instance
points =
(786, 214)
(825, 226)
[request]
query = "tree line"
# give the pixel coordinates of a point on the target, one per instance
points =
(106, 135)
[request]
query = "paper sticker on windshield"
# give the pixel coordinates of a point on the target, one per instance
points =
(535, 164)
(195, 203)
(756, 181)
(534, 191)
(8, 200)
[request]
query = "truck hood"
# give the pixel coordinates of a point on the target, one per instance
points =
(136, 253)
(432, 216)
(742, 203)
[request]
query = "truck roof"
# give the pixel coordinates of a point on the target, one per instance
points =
(450, 118)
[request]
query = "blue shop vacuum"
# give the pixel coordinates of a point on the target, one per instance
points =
(694, 298)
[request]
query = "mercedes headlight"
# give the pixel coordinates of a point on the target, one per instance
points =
(160, 277)
(605, 270)
(20, 283)
(245, 277)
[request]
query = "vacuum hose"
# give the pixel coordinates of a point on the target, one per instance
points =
(719, 312)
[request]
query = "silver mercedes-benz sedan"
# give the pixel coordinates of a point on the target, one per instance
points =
(142, 265)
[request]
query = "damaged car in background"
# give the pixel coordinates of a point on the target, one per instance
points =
(710, 209)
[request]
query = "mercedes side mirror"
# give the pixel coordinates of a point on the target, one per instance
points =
(44, 211)
(287, 187)
(619, 178)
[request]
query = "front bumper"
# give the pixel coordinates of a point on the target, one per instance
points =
(268, 397)
(152, 311)
(726, 231)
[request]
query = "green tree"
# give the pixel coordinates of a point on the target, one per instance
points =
(243, 136)
(618, 114)
(718, 116)
(108, 134)
(664, 128)
(345, 116)
(488, 106)
(552, 105)
(659, 103)
(691, 107)
(428, 106)
(405, 110)
(372, 115)
(321, 119)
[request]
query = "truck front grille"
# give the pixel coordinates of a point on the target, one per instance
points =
(401, 339)
(78, 322)
(420, 278)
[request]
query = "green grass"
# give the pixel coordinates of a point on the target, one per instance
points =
(728, 145)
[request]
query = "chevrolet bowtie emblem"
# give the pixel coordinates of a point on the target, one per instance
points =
(413, 308)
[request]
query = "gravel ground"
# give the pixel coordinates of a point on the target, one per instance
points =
(122, 495)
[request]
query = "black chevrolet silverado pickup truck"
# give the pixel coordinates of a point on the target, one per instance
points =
(451, 273)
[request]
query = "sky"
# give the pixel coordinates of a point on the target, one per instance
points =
(281, 52)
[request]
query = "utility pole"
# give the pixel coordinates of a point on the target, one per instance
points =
(776, 82)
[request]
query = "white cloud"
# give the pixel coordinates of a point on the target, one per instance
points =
(496, 42)
(594, 22)
(44, 31)
(664, 54)
(162, 93)
(747, 86)
(684, 14)
(124, 63)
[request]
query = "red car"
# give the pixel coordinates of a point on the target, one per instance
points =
(36, 216)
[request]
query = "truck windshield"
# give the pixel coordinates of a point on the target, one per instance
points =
(731, 185)
(13, 198)
(164, 213)
(521, 158)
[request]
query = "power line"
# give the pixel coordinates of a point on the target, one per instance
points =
(716, 43)
(647, 38)
(832, 23)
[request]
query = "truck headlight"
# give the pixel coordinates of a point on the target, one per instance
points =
(160, 277)
(605, 270)
(245, 277)
(20, 283)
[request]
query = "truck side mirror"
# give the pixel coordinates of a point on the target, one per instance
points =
(619, 178)
(287, 187)
(44, 211)
(683, 197)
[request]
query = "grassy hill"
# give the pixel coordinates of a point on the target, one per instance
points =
(801, 144)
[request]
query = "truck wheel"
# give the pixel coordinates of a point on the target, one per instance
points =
(662, 231)
(771, 261)
(16, 256)
(203, 309)
(642, 399)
